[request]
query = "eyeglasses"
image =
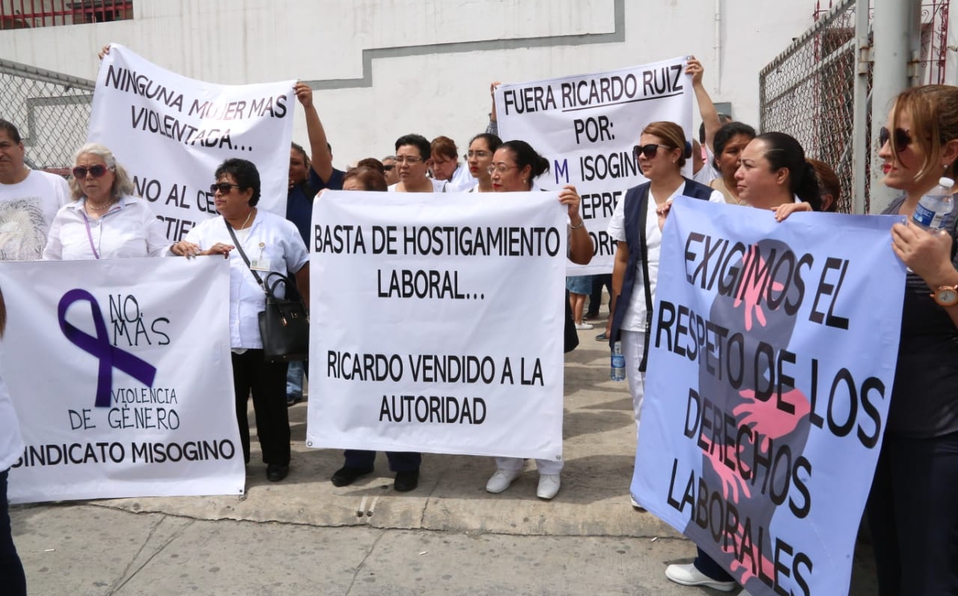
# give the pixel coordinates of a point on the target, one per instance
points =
(95, 171)
(389, 168)
(410, 160)
(649, 151)
(222, 187)
(902, 138)
(477, 154)
(501, 168)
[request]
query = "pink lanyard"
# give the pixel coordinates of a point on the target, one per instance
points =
(89, 234)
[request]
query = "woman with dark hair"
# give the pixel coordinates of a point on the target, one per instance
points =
(773, 166)
(515, 165)
(104, 220)
(729, 141)
(481, 149)
(662, 152)
(913, 506)
(256, 243)
(11, 448)
(829, 184)
(358, 462)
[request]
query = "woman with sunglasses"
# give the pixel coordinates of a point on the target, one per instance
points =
(104, 220)
(481, 149)
(913, 506)
(661, 153)
(515, 166)
(257, 243)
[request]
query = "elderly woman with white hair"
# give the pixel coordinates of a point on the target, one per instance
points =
(104, 220)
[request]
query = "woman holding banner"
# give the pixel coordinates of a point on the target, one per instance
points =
(256, 243)
(913, 506)
(773, 174)
(515, 166)
(11, 448)
(359, 462)
(104, 220)
(661, 153)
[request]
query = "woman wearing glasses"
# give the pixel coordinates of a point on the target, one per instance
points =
(913, 507)
(479, 158)
(635, 225)
(257, 243)
(104, 220)
(515, 165)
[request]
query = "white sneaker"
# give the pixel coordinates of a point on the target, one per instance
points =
(548, 486)
(688, 575)
(583, 326)
(635, 504)
(501, 480)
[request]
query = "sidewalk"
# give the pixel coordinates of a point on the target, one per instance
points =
(305, 536)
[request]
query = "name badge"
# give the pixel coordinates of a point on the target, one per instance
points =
(260, 264)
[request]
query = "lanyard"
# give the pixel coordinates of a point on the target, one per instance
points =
(89, 233)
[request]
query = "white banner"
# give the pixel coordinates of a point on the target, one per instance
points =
(772, 360)
(438, 323)
(121, 375)
(587, 125)
(171, 133)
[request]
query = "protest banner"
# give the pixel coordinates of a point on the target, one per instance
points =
(772, 360)
(120, 374)
(171, 132)
(442, 323)
(587, 126)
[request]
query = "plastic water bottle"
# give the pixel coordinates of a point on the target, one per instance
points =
(934, 206)
(618, 362)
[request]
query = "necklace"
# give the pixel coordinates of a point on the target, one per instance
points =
(248, 215)
(91, 207)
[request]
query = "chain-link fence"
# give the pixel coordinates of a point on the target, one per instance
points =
(808, 92)
(51, 111)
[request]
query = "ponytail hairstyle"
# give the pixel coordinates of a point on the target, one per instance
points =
(492, 141)
(525, 155)
(783, 151)
(672, 137)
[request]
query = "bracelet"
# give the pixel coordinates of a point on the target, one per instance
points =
(581, 223)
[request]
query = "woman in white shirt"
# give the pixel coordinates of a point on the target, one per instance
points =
(272, 244)
(11, 447)
(104, 220)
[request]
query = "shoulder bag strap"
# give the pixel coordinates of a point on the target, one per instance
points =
(239, 247)
(643, 256)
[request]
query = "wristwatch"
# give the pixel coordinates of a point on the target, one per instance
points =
(946, 295)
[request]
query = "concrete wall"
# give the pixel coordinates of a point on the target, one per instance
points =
(383, 68)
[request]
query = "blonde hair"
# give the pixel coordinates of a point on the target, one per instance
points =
(122, 185)
(934, 122)
(672, 136)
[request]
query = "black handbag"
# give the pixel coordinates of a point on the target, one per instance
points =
(284, 325)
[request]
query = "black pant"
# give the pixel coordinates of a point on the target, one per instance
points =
(913, 516)
(398, 461)
(595, 298)
(12, 579)
(267, 381)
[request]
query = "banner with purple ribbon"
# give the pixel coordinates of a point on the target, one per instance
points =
(120, 373)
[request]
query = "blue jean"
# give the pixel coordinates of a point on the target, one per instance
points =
(12, 579)
(294, 379)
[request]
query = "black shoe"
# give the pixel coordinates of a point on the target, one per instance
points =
(276, 472)
(590, 315)
(292, 401)
(406, 481)
(345, 476)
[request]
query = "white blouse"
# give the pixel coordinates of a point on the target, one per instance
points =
(270, 239)
(128, 229)
(11, 443)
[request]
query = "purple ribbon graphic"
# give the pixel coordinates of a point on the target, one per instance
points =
(110, 356)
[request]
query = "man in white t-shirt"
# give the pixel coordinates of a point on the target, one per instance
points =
(29, 200)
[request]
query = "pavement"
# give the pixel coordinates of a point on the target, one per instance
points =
(305, 536)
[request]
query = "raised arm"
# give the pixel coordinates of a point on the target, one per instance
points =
(707, 109)
(320, 158)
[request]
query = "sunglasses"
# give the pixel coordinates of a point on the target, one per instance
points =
(223, 187)
(388, 168)
(95, 171)
(649, 151)
(902, 138)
